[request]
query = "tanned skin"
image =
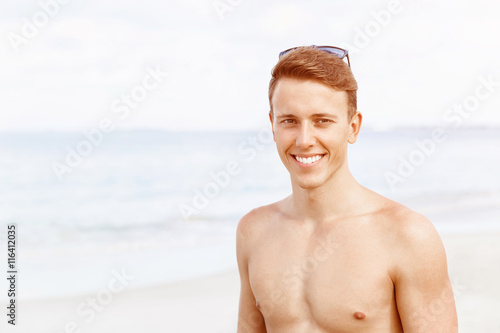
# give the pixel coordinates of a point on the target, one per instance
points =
(335, 256)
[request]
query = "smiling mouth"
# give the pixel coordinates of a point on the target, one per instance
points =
(309, 159)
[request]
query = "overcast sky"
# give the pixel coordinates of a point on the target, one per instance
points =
(412, 66)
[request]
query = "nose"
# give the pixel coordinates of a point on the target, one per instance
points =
(305, 137)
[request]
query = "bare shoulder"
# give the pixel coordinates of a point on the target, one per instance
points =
(400, 221)
(408, 226)
(257, 219)
(254, 224)
(411, 238)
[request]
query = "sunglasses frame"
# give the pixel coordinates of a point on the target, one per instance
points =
(325, 48)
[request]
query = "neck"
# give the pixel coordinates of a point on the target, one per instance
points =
(337, 197)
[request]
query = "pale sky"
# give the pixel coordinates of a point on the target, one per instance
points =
(411, 67)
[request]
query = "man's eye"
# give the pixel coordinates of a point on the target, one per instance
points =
(288, 121)
(325, 121)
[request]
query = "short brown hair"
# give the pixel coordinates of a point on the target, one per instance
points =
(309, 63)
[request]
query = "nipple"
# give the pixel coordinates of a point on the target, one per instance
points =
(359, 315)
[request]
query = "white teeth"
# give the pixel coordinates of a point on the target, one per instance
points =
(308, 160)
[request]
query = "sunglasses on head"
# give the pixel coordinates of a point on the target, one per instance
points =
(336, 51)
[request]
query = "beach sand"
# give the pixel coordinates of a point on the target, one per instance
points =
(474, 268)
(210, 304)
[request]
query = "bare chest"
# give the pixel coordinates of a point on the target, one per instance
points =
(334, 282)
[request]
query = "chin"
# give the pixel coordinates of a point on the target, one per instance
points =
(309, 183)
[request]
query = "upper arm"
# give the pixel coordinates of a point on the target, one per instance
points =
(250, 319)
(424, 295)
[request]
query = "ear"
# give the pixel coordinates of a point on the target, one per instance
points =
(354, 127)
(272, 124)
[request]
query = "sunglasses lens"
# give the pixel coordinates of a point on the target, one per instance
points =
(337, 52)
(282, 53)
(332, 50)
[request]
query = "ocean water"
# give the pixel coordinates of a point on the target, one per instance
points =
(163, 206)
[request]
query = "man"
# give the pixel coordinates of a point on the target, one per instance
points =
(334, 256)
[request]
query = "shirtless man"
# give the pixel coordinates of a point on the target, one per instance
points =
(334, 256)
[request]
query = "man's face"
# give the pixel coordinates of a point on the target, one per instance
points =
(311, 130)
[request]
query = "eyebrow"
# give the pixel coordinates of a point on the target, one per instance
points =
(315, 115)
(324, 115)
(286, 116)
